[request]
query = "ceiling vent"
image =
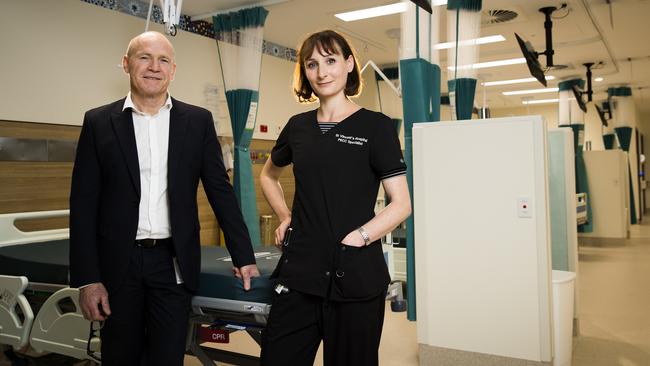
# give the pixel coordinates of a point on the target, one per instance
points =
(498, 16)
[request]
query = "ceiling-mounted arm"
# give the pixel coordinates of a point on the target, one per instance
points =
(590, 91)
(548, 27)
(383, 76)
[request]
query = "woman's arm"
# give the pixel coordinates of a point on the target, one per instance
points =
(387, 219)
(270, 183)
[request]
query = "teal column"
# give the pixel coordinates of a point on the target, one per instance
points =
(462, 91)
(609, 140)
(420, 82)
(461, 87)
(625, 138)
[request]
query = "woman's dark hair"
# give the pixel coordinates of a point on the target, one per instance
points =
(326, 42)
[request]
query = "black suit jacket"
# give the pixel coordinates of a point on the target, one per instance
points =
(105, 194)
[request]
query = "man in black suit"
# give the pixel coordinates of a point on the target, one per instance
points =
(134, 226)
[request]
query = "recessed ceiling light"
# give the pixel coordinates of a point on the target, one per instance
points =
(483, 65)
(514, 81)
(531, 91)
(379, 11)
(540, 101)
(470, 42)
(598, 79)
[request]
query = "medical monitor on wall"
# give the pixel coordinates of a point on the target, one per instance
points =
(601, 114)
(577, 93)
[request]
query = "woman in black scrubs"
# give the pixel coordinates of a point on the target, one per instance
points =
(332, 277)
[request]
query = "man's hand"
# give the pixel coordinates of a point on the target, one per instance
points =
(245, 273)
(93, 300)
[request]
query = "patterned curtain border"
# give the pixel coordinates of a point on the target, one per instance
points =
(139, 9)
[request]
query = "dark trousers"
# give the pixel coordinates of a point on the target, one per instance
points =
(150, 311)
(350, 331)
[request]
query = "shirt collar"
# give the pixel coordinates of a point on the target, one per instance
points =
(128, 103)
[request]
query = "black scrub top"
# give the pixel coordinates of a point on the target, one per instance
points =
(337, 176)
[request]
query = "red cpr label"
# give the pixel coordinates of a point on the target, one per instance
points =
(214, 335)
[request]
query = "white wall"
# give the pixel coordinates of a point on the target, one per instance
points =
(60, 58)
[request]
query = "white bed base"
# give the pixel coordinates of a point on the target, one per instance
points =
(14, 331)
(52, 329)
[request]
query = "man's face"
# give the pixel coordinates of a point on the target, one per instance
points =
(150, 65)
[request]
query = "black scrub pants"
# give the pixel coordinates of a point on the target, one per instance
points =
(150, 311)
(350, 331)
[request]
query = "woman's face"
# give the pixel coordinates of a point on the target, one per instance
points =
(328, 73)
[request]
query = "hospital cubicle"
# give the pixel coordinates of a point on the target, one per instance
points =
(609, 195)
(482, 242)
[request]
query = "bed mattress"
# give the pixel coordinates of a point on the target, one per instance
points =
(44, 262)
(217, 278)
(47, 262)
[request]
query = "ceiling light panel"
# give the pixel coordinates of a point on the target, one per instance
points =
(379, 11)
(483, 65)
(540, 101)
(514, 81)
(471, 42)
(531, 91)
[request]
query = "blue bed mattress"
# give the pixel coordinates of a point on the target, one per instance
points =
(217, 278)
(47, 262)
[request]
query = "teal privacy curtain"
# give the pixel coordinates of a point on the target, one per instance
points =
(571, 116)
(239, 42)
(623, 108)
(464, 27)
(420, 83)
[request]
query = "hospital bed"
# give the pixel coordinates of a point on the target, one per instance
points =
(37, 308)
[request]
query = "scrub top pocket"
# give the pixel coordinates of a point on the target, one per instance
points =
(358, 273)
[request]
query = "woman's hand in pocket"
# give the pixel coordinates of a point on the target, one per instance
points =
(353, 239)
(281, 231)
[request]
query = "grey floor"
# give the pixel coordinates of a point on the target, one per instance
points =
(614, 302)
(614, 310)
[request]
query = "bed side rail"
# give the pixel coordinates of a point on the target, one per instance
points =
(59, 329)
(14, 328)
(11, 235)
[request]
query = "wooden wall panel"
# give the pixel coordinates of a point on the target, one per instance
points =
(44, 186)
(39, 131)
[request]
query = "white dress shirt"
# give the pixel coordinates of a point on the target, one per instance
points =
(152, 140)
